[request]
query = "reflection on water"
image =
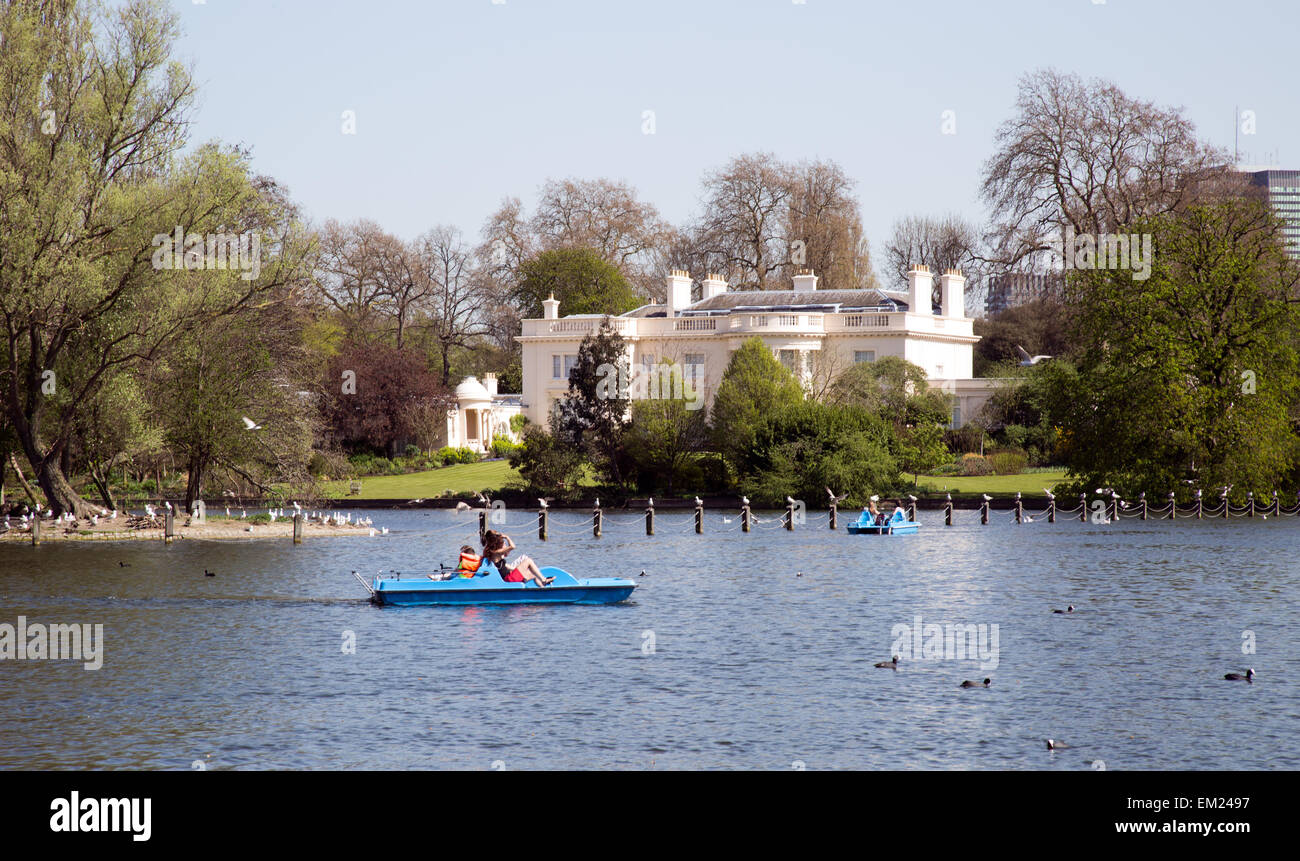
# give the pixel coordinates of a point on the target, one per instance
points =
(752, 665)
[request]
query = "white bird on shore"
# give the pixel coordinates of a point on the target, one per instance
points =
(113, 516)
(271, 512)
(227, 510)
(243, 514)
(249, 424)
(462, 506)
(148, 509)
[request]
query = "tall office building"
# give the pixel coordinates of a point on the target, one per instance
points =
(1018, 288)
(1282, 188)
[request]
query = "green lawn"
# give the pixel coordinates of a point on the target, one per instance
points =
(460, 478)
(1030, 484)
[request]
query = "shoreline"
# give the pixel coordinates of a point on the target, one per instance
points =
(222, 530)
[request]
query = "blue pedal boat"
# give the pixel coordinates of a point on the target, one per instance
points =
(896, 525)
(489, 588)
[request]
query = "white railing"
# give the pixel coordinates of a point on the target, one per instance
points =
(864, 321)
(695, 324)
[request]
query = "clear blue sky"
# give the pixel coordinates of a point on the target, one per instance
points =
(460, 103)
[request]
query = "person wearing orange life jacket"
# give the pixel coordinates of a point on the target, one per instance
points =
(469, 562)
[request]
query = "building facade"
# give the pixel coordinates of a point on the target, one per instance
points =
(815, 333)
(480, 414)
(1017, 288)
(1282, 190)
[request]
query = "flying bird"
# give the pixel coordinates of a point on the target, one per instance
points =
(540, 502)
(249, 424)
(1026, 360)
(1050, 495)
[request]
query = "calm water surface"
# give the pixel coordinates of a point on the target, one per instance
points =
(751, 667)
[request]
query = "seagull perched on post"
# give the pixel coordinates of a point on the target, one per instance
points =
(744, 500)
(542, 502)
(699, 502)
(789, 500)
(833, 497)
(1050, 495)
(650, 502)
(987, 498)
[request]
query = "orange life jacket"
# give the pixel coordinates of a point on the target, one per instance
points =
(469, 563)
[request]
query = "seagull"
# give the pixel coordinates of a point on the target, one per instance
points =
(1028, 361)
(875, 497)
(789, 500)
(699, 502)
(1050, 495)
(542, 503)
(383, 530)
(650, 502)
(833, 497)
(598, 502)
(415, 501)
(296, 507)
(148, 509)
(249, 424)
(462, 506)
(911, 497)
(987, 498)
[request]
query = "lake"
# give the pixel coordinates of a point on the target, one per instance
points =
(724, 657)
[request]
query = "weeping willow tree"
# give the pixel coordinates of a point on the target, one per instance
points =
(96, 187)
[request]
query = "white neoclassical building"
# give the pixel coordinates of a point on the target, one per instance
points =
(815, 333)
(480, 414)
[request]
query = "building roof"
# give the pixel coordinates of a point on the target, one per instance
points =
(471, 390)
(830, 301)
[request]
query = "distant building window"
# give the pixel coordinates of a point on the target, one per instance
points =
(694, 360)
(956, 416)
(860, 356)
(562, 365)
(790, 358)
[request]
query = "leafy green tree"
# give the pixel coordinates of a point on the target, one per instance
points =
(662, 443)
(895, 389)
(801, 449)
(593, 415)
(91, 175)
(584, 283)
(753, 384)
(1192, 374)
(546, 461)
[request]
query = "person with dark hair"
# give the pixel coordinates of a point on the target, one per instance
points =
(497, 546)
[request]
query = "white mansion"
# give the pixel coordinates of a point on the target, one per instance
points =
(813, 332)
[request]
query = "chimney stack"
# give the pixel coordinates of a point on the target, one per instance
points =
(920, 289)
(952, 293)
(551, 308)
(490, 383)
(805, 281)
(679, 291)
(713, 285)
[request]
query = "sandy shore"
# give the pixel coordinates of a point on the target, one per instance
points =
(212, 529)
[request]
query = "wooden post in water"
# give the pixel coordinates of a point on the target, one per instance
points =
(789, 516)
(834, 514)
(1114, 508)
(169, 527)
(36, 529)
(596, 520)
(482, 523)
(1143, 500)
(1250, 503)
(1051, 509)
(649, 520)
(947, 511)
(984, 513)
(911, 510)
(541, 524)
(1200, 505)
(1173, 509)
(699, 519)
(744, 518)
(1277, 506)
(1083, 508)
(1225, 505)
(297, 528)
(1020, 508)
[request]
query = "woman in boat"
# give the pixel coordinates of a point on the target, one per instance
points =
(876, 517)
(497, 546)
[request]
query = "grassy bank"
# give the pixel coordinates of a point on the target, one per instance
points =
(1029, 484)
(461, 478)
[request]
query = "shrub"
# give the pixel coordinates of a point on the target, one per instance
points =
(1008, 462)
(449, 455)
(517, 422)
(974, 464)
(502, 446)
(412, 450)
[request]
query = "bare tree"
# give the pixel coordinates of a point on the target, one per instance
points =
(454, 296)
(743, 228)
(1087, 156)
(824, 216)
(948, 242)
(349, 272)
